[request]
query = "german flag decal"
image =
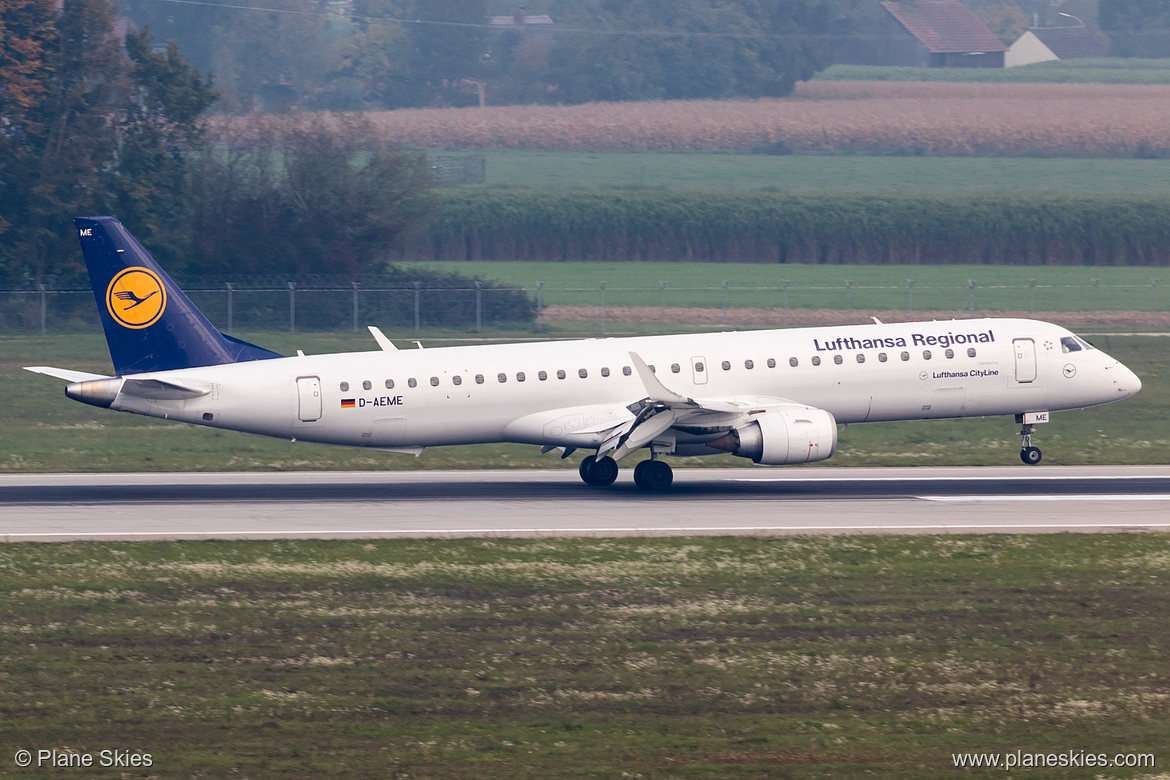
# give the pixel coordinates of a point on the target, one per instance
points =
(348, 403)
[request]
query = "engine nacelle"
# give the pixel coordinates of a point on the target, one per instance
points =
(783, 436)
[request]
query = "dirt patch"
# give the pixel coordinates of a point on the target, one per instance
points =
(813, 317)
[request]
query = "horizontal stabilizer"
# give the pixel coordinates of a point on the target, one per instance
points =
(64, 373)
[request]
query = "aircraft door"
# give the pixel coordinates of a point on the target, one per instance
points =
(309, 396)
(699, 370)
(1025, 352)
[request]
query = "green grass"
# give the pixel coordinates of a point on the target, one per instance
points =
(43, 431)
(937, 288)
(1102, 70)
(667, 658)
(823, 174)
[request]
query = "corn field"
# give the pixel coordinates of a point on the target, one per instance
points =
(868, 117)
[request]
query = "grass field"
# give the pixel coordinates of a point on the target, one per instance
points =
(670, 658)
(937, 288)
(822, 174)
(42, 431)
(1094, 70)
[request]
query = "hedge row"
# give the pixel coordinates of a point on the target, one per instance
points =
(781, 228)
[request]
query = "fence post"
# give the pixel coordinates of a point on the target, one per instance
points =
(603, 308)
(1095, 282)
(417, 287)
(725, 303)
(540, 306)
(1031, 297)
(292, 307)
(355, 307)
(229, 289)
(784, 321)
(910, 297)
(44, 307)
(662, 307)
(971, 297)
(478, 307)
(849, 296)
(1153, 295)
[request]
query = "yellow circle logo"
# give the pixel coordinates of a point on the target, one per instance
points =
(136, 298)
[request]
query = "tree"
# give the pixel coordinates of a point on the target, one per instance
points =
(447, 46)
(1137, 28)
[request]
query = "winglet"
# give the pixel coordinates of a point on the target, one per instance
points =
(386, 344)
(655, 389)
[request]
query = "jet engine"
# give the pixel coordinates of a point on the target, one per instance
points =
(783, 436)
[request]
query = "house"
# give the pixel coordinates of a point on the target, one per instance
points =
(925, 34)
(1045, 44)
(525, 23)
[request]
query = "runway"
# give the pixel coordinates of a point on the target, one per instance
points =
(459, 504)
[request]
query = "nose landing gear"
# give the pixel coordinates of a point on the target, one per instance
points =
(1029, 454)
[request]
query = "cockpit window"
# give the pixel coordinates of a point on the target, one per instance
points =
(1084, 343)
(1069, 344)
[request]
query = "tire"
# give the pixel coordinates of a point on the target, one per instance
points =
(605, 471)
(587, 470)
(1030, 455)
(656, 476)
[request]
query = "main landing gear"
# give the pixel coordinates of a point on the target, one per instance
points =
(652, 475)
(1029, 454)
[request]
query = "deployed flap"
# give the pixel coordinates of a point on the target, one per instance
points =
(158, 390)
(643, 434)
(64, 373)
(386, 344)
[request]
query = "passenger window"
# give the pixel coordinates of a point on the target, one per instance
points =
(457, 380)
(543, 375)
(816, 360)
(653, 370)
(699, 367)
(883, 357)
(604, 371)
(345, 387)
(412, 382)
(626, 371)
(860, 357)
(970, 351)
(838, 359)
(502, 378)
(726, 365)
(479, 379)
(926, 354)
(905, 356)
(389, 384)
(434, 381)
(749, 365)
(520, 376)
(367, 385)
(771, 362)
(793, 362)
(582, 373)
(950, 353)
(561, 374)
(674, 368)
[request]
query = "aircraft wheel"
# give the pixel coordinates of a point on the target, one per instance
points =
(605, 471)
(1030, 455)
(653, 475)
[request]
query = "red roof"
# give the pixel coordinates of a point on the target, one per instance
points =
(945, 26)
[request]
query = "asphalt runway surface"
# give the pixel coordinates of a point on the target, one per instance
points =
(458, 504)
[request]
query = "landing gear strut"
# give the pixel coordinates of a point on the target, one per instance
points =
(653, 475)
(1029, 454)
(599, 473)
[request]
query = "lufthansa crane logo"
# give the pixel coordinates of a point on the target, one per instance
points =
(136, 298)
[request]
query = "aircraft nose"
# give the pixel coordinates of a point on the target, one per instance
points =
(1126, 381)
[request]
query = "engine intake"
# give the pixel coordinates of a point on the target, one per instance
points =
(782, 437)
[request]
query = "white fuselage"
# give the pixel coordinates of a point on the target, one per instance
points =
(566, 393)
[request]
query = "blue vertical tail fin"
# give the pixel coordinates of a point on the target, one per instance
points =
(150, 324)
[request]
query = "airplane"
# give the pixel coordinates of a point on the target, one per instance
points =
(774, 397)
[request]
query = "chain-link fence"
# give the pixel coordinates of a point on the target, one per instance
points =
(318, 305)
